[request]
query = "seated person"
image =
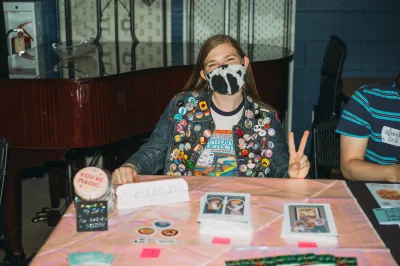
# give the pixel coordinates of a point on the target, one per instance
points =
(370, 134)
(218, 126)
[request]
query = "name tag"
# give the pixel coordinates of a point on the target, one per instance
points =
(391, 136)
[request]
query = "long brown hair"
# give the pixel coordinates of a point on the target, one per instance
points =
(197, 83)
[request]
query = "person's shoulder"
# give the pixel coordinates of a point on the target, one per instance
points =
(377, 89)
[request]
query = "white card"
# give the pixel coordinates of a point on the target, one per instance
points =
(391, 136)
(152, 193)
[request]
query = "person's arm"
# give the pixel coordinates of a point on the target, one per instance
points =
(354, 167)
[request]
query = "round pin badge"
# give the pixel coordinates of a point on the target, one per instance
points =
(249, 114)
(270, 145)
(248, 123)
(170, 232)
(262, 133)
(242, 168)
(251, 165)
(269, 153)
(192, 100)
(197, 127)
(179, 128)
(146, 231)
(266, 120)
(190, 116)
(177, 117)
(199, 115)
(207, 133)
(162, 224)
(181, 168)
(266, 171)
(181, 146)
(182, 110)
(172, 167)
(183, 123)
(187, 146)
(271, 132)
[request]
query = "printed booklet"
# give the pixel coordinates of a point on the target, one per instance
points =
(306, 221)
(387, 215)
(225, 212)
(387, 195)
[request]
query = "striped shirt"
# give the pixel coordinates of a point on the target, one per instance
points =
(373, 112)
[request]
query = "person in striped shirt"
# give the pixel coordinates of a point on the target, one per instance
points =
(370, 134)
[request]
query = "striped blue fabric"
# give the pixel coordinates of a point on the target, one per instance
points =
(373, 112)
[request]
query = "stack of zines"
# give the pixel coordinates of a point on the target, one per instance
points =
(225, 213)
(388, 198)
(309, 222)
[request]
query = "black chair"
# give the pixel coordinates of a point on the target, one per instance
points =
(4, 240)
(327, 110)
(326, 147)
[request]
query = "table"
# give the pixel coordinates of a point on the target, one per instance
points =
(390, 234)
(356, 238)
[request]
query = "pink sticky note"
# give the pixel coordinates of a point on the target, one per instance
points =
(221, 240)
(150, 253)
(307, 245)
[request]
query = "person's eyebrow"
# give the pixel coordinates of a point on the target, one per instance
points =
(213, 61)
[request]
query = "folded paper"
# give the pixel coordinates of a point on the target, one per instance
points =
(152, 193)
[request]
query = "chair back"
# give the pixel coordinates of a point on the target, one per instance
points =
(327, 146)
(329, 102)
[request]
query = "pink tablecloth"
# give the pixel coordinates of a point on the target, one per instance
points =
(356, 235)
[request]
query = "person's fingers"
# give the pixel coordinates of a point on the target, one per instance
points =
(116, 177)
(303, 142)
(303, 159)
(294, 166)
(307, 164)
(125, 175)
(135, 176)
(292, 147)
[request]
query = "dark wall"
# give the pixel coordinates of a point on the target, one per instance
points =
(371, 31)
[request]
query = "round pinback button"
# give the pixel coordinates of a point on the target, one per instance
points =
(145, 231)
(178, 117)
(182, 110)
(271, 132)
(170, 232)
(162, 224)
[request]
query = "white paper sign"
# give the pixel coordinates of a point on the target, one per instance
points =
(152, 193)
(391, 136)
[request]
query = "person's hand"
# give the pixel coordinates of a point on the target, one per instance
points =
(125, 175)
(299, 165)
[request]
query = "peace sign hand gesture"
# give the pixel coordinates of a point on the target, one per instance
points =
(299, 165)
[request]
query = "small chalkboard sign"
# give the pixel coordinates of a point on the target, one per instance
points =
(91, 216)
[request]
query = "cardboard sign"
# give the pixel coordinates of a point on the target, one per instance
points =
(91, 216)
(152, 193)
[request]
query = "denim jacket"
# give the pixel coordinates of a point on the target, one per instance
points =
(260, 147)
